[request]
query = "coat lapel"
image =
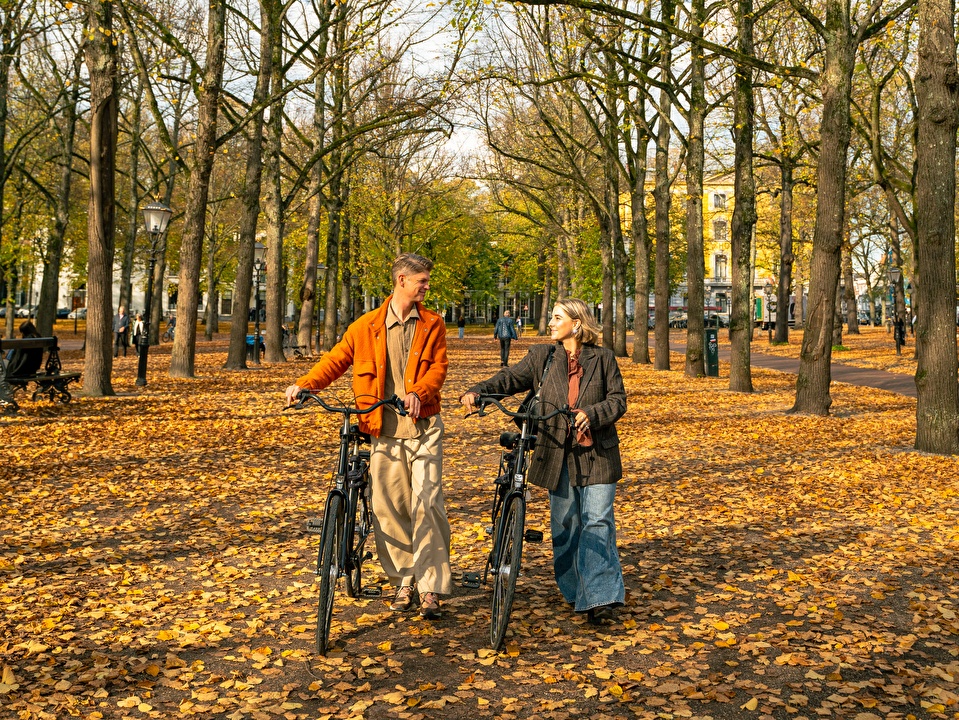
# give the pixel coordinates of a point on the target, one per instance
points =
(557, 379)
(589, 359)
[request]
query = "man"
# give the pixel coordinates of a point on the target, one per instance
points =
(400, 348)
(121, 323)
(505, 332)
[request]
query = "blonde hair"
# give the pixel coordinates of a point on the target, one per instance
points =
(576, 309)
(410, 264)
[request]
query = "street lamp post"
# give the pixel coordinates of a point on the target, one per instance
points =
(156, 217)
(898, 329)
(259, 252)
(768, 293)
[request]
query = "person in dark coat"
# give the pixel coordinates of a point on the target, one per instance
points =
(121, 328)
(505, 332)
(580, 463)
(25, 362)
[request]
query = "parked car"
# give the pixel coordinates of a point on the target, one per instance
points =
(27, 311)
(78, 314)
(678, 319)
(716, 320)
(63, 313)
(651, 323)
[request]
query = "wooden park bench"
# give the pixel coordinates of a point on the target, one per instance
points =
(51, 381)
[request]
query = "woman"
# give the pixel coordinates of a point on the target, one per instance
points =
(580, 463)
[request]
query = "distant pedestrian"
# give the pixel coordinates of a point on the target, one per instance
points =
(137, 332)
(121, 328)
(461, 324)
(505, 332)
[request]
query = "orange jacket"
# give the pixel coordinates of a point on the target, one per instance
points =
(364, 347)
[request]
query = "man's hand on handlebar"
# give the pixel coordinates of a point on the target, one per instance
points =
(291, 394)
(411, 404)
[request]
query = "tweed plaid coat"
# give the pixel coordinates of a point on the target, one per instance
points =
(601, 396)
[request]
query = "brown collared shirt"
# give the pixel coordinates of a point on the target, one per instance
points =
(399, 338)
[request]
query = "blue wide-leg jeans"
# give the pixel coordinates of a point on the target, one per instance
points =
(585, 558)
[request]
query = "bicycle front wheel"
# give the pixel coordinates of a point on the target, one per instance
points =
(505, 566)
(356, 533)
(328, 568)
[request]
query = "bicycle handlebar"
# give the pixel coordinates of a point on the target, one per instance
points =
(483, 400)
(305, 396)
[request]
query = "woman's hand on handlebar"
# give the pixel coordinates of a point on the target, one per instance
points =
(469, 402)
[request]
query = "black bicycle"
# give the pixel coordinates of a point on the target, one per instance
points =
(509, 509)
(348, 516)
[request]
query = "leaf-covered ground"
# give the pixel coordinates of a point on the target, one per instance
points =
(154, 562)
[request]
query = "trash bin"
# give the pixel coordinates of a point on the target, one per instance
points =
(712, 352)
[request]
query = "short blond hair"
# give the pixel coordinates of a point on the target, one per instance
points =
(410, 264)
(576, 309)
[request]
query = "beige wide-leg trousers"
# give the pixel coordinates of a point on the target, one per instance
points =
(409, 513)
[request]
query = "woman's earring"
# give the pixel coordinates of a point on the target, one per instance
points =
(576, 330)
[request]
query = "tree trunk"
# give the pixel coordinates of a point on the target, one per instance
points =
(744, 212)
(332, 268)
(126, 266)
(663, 199)
(101, 58)
(606, 256)
(308, 291)
(194, 220)
(250, 195)
(695, 160)
(642, 245)
(937, 85)
(800, 285)
(274, 211)
(849, 294)
(52, 258)
(786, 258)
(812, 385)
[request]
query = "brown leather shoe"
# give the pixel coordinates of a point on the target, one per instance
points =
(430, 607)
(405, 599)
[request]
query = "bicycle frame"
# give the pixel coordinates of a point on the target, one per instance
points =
(341, 553)
(509, 513)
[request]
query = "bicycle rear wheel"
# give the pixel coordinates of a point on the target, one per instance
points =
(505, 566)
(328, 568)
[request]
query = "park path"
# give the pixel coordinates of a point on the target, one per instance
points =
(880, 379)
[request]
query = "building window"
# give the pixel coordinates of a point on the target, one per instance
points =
(719, 201)
(720, 231)
(722, 267)
(226, 303)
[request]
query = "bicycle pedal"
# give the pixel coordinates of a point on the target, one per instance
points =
(314, 525)
(533, 536)
(488, 529)
(372, 591)
(471, 580)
